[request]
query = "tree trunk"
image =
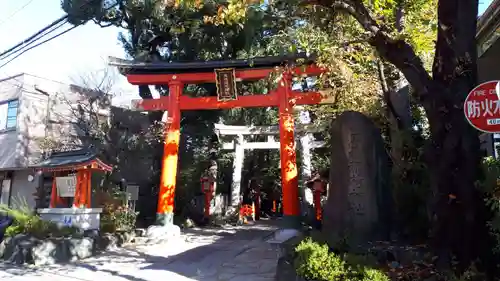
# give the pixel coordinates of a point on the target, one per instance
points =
(453, 160)
(459, 225)
(454, 151)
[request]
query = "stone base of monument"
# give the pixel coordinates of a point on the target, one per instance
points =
(283, 235)
(159, 233)
(286, 240)
(24, 248)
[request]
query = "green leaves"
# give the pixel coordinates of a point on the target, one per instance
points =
(314, 261)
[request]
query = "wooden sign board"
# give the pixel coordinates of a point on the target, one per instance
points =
(66, 186)
(225, 80)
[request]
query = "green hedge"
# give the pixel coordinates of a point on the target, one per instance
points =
(314, 261)
(26, 222)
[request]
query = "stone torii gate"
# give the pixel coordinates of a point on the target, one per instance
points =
(239, 145)
(225, 74)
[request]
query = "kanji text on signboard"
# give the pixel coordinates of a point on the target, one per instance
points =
(482, 107)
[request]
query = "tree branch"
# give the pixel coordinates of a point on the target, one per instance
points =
(456, 45)
(397, 52)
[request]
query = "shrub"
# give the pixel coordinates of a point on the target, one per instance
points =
(117, 218)
(314, 261)
(26, 222)
(372, 274)
(490, 186)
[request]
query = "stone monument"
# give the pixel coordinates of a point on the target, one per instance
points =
(358, 208)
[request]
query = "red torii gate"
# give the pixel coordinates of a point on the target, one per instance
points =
(225, 74)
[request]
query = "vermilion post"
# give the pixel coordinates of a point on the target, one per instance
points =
(55, 200)
(77, 199)
(165, 212)
(53, 193)
(317, 204)
(88, 191)
(289, 173)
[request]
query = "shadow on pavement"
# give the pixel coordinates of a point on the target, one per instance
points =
(201, 257)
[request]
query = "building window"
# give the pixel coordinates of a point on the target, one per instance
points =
(8, 115)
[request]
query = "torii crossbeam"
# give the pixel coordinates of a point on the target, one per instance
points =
(238, 145)
(225, 74)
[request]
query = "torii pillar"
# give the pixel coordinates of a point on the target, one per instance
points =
(288, 155)
(239, 157)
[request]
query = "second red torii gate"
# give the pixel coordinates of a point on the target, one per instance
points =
(225, 74)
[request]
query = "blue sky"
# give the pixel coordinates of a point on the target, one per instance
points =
(80, 51)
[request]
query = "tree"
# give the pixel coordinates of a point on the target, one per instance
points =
(155, 31)
(81, 115)
(453, 158)
(453, 155)
(453, 150)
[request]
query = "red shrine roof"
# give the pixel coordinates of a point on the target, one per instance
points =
(137, 67)
(72, 160)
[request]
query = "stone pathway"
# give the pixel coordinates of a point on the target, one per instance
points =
(222, 254)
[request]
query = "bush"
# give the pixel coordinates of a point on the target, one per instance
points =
(117, 218)
(490, 186)
(314, 261)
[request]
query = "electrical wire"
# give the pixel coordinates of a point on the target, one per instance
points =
(15, 13)
(43, 42)
(33, 41)
(27, 40)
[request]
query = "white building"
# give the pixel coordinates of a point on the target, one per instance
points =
(34, 113)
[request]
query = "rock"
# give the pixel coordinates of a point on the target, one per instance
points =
(359, 200)
(81, 248)
(160, 232)
(3, 245)
(91, 233)
(26, 249)
(285, 271)
(51, 251)
(125, 237)
(188, 223)
(19, 249)
(140, 232)
(283, 235)
(46, 252)
(62, 250)
(107, 241)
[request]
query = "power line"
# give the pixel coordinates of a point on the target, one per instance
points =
(15, 13)
(27, 40)
(43, 42)
(33, 41)
(63, 18)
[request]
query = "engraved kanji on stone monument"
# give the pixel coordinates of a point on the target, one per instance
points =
(359, 201)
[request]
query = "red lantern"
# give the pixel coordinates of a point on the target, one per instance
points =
(207, 187)
(318, 187)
